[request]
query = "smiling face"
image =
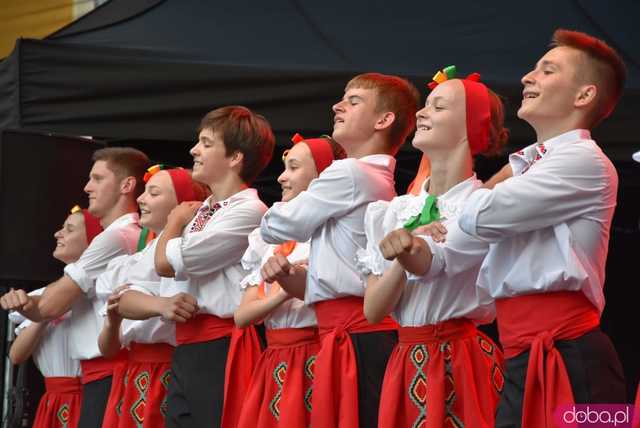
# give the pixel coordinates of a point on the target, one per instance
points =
(210, 161)
(299, 170)
(71, 240)
(552, 88)
(355, 117)
(103, 189)
(441, 123)
(157, 201)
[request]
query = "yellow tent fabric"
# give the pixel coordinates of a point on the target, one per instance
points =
(36, 19)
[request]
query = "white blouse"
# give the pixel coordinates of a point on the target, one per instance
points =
(448, 290)
(548, 225)
(87, 313)
(140, 274)
(108, 250)
(331, 214)
(291, 314)
(52, 354)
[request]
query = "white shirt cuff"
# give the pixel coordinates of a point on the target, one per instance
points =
(16, 317)
(468, 220)
(24, 324)
(79, 276)
(174, 257)
(141, 289)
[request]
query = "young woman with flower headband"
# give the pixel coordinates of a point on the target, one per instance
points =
(139, 386)
(443, 372)
(280, 391)
(48, 342)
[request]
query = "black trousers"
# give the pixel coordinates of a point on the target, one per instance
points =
(196, 390)
(594, 370)
(372, 353)
(94, 402)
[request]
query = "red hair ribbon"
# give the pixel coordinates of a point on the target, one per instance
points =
(92, 225)
(478, 107)
(182, 184)
(321, 151)
(180, 178)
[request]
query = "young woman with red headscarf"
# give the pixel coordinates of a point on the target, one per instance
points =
(48, 342)
(443, 372)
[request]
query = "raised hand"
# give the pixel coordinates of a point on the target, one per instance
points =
(436, 230)
(184, 212)
(276, 267)
(179, 308)
(17, 300)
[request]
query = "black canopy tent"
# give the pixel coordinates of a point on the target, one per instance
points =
(143, 72)
(151, 68)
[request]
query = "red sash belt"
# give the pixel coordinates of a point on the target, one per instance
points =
(63, 385)
(244, 353)
(150, 352)
(100, 367)
(335, 389)
(203, 328)
(444, 331)
(287, 337)
(533, 322)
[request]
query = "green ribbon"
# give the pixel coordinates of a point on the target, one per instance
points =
(428, 214)
(142, 240)
(450, 71)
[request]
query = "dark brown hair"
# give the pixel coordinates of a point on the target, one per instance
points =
(498, 134)
(244, 131)
(125, 162)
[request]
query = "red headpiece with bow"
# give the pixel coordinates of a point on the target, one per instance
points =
(478, 107)
(321, 151)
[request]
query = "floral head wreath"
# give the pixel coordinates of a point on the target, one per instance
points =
(321, 150)
(478, 106)
(180, 177)
(92, 225)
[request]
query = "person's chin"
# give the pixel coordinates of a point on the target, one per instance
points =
(526, 110)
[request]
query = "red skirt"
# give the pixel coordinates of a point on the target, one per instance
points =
(59, 407)
(113, 409)
(335, 388)
(144, 403)
(443, 375)
(280, 391)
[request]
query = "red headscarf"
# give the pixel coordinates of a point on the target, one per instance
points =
(321, 151)
(180, 178)
(92, 225)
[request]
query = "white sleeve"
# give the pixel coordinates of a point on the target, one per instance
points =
(330, 195)
(252, 259)
(378, 221)
(459, 252)
(573, 183)
(95, 258)
(219, 245)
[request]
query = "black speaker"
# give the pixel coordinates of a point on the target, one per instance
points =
(41, 177)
